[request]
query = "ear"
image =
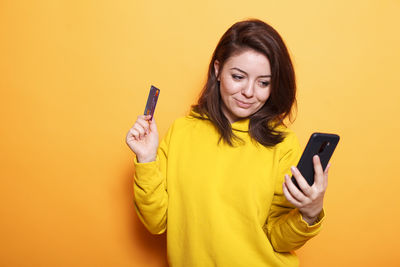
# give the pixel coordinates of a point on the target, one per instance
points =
(216, 68)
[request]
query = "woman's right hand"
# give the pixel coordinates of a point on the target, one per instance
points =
(142, 139)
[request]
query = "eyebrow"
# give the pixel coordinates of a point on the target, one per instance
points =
(246, 72)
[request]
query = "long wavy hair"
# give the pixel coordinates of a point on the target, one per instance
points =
(256, 35)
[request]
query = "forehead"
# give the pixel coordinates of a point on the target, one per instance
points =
(250, 61)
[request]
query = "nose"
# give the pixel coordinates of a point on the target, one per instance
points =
(248, 89)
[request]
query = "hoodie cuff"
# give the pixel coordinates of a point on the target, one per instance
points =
(302, 227)
(147, 173)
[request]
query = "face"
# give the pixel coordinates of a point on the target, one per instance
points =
(245, 84)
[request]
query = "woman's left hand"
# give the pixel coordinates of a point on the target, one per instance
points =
(310, 201)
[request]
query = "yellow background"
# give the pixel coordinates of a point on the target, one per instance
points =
(75, 74)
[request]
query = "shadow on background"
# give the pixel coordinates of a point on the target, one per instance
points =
(153, 247)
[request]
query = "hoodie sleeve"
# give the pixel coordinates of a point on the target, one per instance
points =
(285, 228)
(150, 189)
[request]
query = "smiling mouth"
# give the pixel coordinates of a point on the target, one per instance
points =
(242, 104)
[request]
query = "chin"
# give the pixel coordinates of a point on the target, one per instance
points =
(241, 114)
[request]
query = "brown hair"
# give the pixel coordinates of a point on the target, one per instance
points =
(256, 35)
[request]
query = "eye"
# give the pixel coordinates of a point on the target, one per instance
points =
(237, 77)
(265, 83)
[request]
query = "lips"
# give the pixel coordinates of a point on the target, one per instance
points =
(243, 104)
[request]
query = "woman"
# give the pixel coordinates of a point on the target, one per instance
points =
(218, 182)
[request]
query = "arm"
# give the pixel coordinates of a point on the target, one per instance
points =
(150, 190)
(285, 226)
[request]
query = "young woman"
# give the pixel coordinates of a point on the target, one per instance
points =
(218, 182)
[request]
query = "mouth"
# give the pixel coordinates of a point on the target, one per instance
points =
(242, 104)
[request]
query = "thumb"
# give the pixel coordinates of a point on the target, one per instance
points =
(153, 126)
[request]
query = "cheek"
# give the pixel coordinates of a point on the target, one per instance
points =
(263, 95)
(229, 87)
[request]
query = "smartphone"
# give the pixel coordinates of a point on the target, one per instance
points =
(321, 144)
(152, 101)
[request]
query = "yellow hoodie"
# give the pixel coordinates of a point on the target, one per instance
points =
(221, 205)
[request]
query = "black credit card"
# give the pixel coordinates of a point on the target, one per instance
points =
(152, 101)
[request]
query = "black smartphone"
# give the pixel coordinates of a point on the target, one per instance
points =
(321, 144)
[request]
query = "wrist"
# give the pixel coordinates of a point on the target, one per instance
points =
(312, 218)
(145, 159)
(309, 220)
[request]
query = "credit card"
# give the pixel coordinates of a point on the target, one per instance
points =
(152, 101)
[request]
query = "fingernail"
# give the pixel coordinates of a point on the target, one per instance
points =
(293, 168)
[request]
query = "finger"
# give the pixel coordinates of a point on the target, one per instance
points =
(144, 123)
(301, 181)
(153, 126)
(144, 117)
(327, 168)
(293, 190)
(319, 173)
(289, 196)
(326, 175)
(140, 130)
(135, 134)
(129, 136)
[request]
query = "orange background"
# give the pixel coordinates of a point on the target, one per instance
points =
(75, 74)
